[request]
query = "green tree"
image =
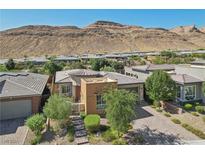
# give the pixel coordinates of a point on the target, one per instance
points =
(97, 64)
(160, 87)
(51, 67)
(108, 69)
(58, 107)
(3, 68)
(10, 64)
(120, 108)
(36, 123)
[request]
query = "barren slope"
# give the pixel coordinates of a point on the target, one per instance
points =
(101, 37)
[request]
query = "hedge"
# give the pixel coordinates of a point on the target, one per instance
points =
(195, 131)
(92, 122)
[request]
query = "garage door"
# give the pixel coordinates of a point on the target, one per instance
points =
(15, 109)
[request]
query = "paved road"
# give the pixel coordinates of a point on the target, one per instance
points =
(12, 131)
(158, 129)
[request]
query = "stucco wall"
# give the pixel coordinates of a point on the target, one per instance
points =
(89, 93)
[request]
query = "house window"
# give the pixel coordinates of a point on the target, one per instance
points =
(178, 91)
(100, 102)
(190, 92)
(66, 90)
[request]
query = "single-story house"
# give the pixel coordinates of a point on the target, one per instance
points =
(189, 88)
(70, 83)
(21, 94)
(188, 79)
(200, 63)
(143, 71)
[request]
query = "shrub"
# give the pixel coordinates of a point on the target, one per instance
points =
(82, 115)
(58, 107)
(195, 114)
(176, 121)
(104, 128)
(195, 131)
(36, 140)
(156, 103)
(158, 110)
(197, 103)
(36, 123)
(119, 141)
(200, 109)
(109, 135)
(188, 107)
(167, 114)
(92, 122)
(70, 133)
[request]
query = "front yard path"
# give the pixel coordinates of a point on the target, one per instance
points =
(158, 129)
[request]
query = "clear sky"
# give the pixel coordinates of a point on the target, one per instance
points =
(146, 18)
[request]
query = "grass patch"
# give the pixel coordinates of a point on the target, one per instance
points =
(195, 131)
(176, 121)
(195, 114)
(167, 114)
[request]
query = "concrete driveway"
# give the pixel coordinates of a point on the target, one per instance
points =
(158, 129)
(12, 131)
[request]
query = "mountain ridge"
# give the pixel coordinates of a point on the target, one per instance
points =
(98, 37)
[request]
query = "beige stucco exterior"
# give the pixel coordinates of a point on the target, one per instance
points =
(90, 90)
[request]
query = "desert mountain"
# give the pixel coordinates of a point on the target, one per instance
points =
(191, 34)
(202, 29)
(99, 37)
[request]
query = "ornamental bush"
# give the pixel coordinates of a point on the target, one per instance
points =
(36, 123)
(92, 122)
(119, 141)
(176, 121)
(109, 135)
(188, 107)
(200, 109)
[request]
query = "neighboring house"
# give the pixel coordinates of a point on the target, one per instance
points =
(194, 70)
(189, 89)
(143, 71)
(70, 82)
(189, 80)
(198, 63)
(21, 94)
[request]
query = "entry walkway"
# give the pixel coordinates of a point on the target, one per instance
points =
(80, 132)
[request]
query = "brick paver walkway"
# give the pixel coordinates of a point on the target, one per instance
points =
(158, 129)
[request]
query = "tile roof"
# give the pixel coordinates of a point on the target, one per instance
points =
(121, 78)
(77, 74)
(153, 67)
(198, 62)
(21, 84)
(184, 78)
(68, 75)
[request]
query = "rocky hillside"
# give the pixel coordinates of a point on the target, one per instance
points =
(191, 34)
(99, 37)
